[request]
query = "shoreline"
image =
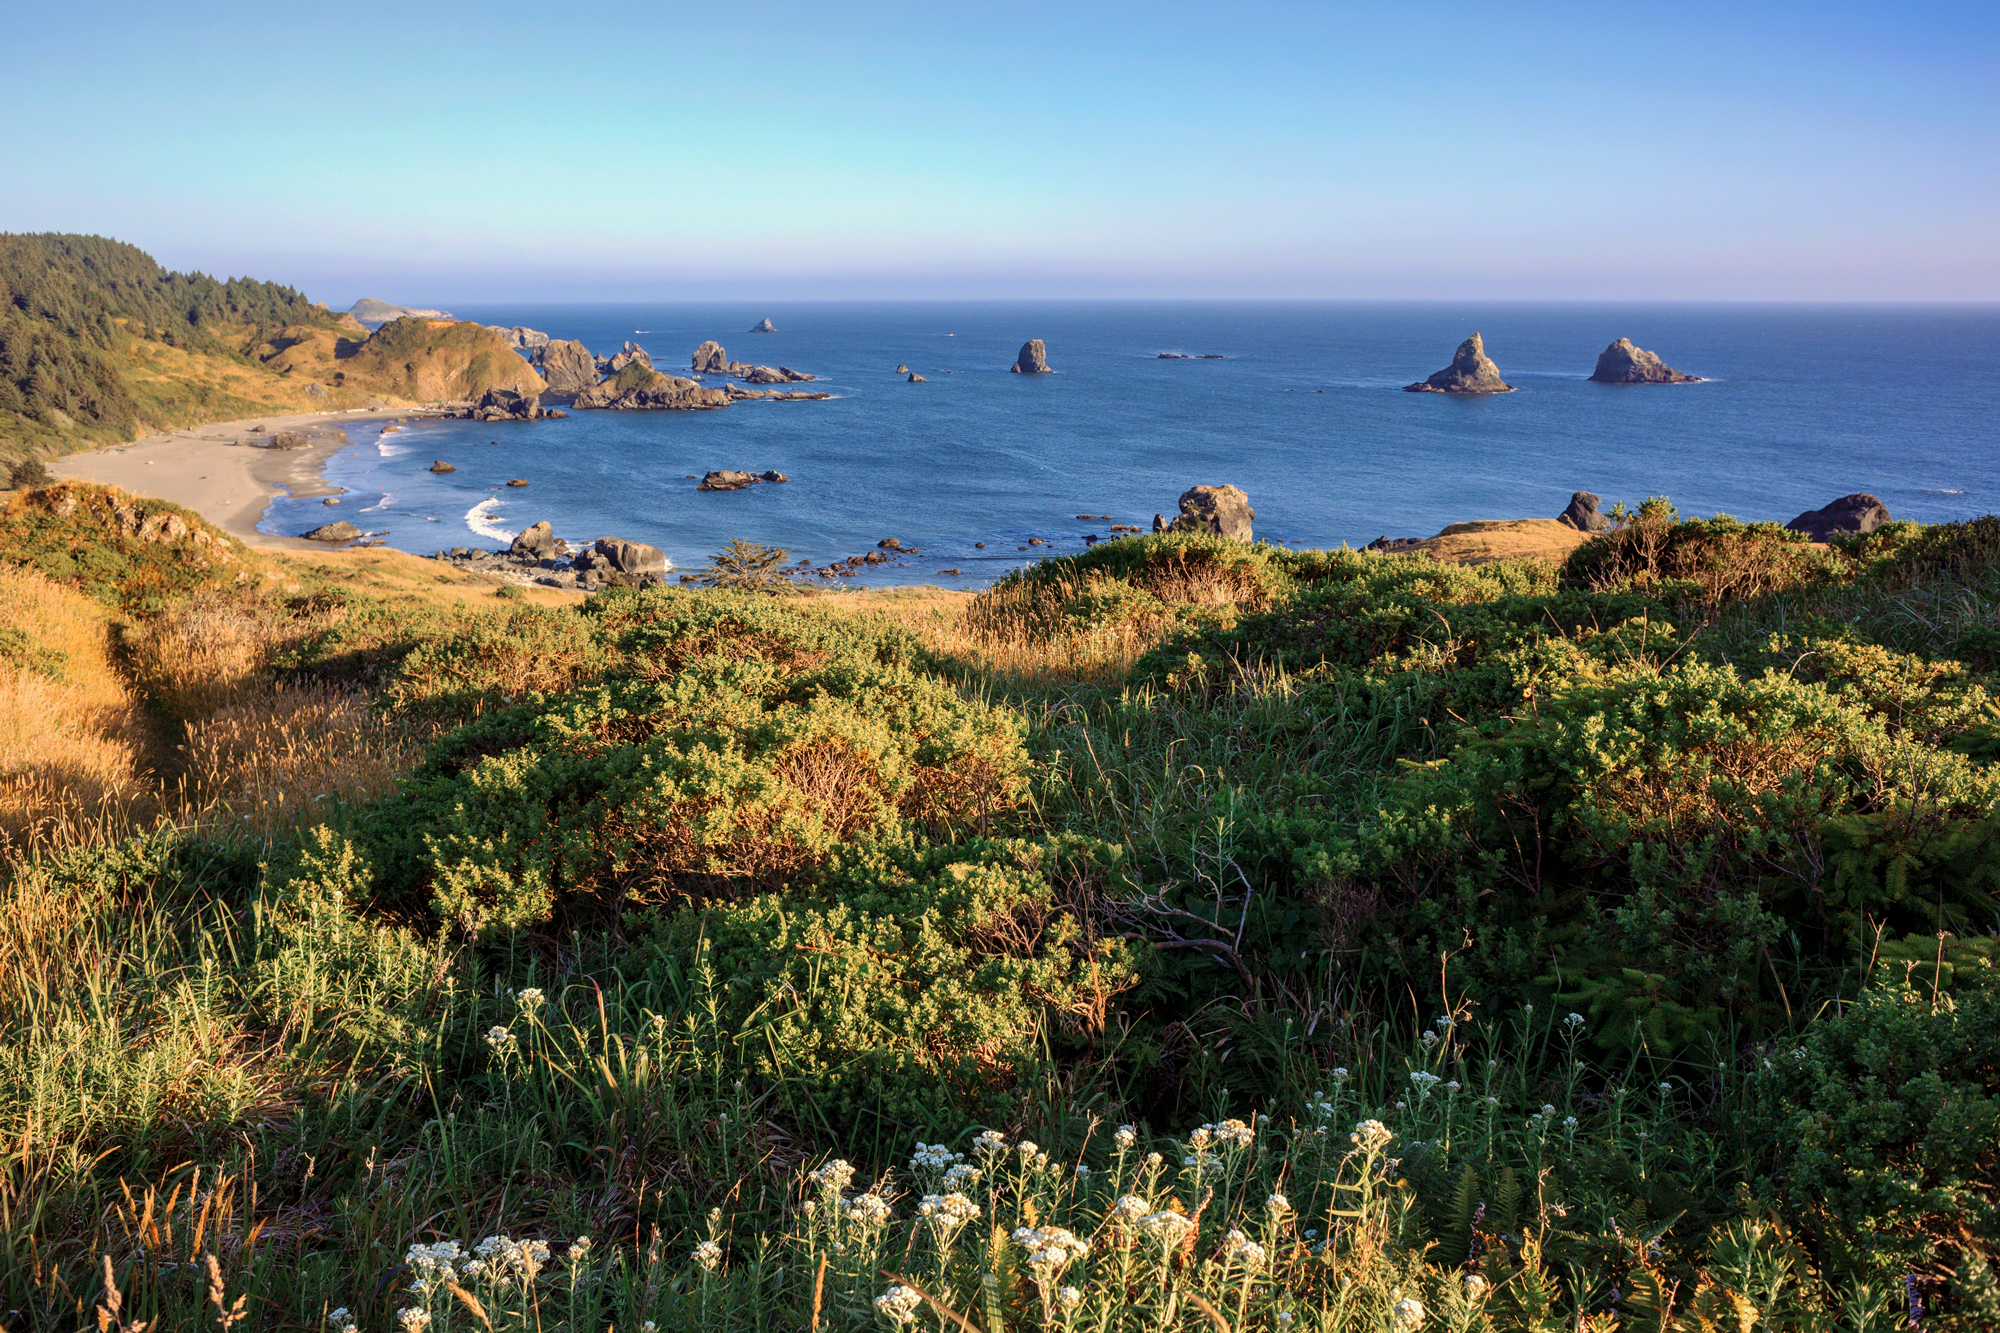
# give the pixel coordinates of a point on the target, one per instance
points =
(216, 471)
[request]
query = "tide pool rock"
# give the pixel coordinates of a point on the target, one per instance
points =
(1470, 371)
(1033, 360)
(1624, 363)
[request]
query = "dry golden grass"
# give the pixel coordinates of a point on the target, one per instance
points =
(1485, 540)
(70, 737)
(382, 572)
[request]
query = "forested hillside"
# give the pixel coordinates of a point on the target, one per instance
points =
(73, 307)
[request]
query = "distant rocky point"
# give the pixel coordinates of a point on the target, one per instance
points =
(372, 313)
(1470, 371)
(520, 337)
(1033, 360)
(1623, 363)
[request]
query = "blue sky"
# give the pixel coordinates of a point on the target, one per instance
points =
(555, 151)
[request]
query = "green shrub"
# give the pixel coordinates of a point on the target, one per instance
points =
(1885, 1126)
(128, 551)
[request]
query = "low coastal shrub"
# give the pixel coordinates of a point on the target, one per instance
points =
(131, 552)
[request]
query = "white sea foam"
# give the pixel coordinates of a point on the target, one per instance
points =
(480, 519)
(388, 450)
(383, 503)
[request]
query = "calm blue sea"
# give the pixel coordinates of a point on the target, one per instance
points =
(1803, 404)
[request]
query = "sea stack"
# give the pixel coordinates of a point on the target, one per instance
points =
(1470, 371)
(567, 366)
(1623, 363)
(1220, 511)
(764, 326)
(1033, 360)
(709, 358)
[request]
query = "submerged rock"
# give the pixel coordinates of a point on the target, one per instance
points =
(1623, 363)
(1470, 371)
(1582, 514)
(1849, 514)
(1222, 511)
(1033, 360)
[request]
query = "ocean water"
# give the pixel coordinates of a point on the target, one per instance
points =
(1305, 413)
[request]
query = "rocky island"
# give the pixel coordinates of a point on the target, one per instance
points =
(1470, 371)
(1033, 360)
(1624, 363)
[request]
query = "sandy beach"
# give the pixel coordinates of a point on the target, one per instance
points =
(224, 471)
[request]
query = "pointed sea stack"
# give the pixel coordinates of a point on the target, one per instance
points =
(1470, 371)
(1623, 363)
(1033, 360)
(764, 326)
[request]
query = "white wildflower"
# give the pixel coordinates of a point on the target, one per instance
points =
(899, 1304)
(947, 1211)
(990, 1143)
(1285, 1318)
(1424, 1079)
(1199, 1139)
(529, 999)
(502, 1040)
(833, 1176)
(649, 1327)
(413, 1320)
(1666, 1088)
(1239, 1248)
(708, 1254)
(961, 1176)
(340, 1320)
(1574, 1021)
(1125, 1137)
(1027, 1149)
(1451, 1086)
(1081, 1171)
(1475, 1287)
(1371, 1136)
(1569, 1123)
(1430, 1038)
(1340, 1075)
(1233, 1133)
(1407, 1315)
(870, 1210)
(1069, 1298)
(1167, 1227)
(933, 1157)
(1050, 1250)
(1130, 1208)
(578, 1248)
(1154, 1159)
(1278, 1204)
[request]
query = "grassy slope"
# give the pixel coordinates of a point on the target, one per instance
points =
(339, 1046)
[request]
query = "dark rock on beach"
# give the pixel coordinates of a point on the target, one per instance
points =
(1848, 515)
(1470, 371)
(340, 531)
(1623, 363)
(1582, 514)
(1033, 360)
(1222, 511)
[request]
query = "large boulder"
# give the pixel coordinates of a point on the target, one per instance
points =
(568, 366)
(764, 326)
(536, 542)
(1033, 360)
(1470, 371)
(342, 531)
(628, 557)
(710, 359)
(505, 405)
(1849, 514)
(725, 480)
(766, 375)
(1623, 363)
(1221, 511)
(521, 338)
(1582, 514)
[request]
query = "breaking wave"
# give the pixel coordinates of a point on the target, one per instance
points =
(480, 517)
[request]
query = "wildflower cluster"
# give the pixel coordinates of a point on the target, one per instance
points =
(947, 1211)
(1050, 1249)
(899, 1304)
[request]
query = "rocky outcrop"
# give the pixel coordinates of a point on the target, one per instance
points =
(1849, 515)
(288, 439)
(1159, 523)
(521, 338)
(915, 378)
(626, 557)
(341, 531)
(1221, 511)
(626, 355)
(1623, 363)
(1394, 545)
(725, 480)
(536, 542)
(567, 365)
(442, 467)
(1033, 360)
(373, 314)
(1470, 371)
(902, 369)
(658, 392)
(1582, 514)
(764, 326)
(710, 359)
(777, 375)
(505, 405)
